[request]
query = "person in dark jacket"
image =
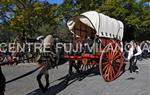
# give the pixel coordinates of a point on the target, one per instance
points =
(2, 77)
(2, 82)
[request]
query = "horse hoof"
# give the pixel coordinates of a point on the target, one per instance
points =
(66, 83)
(46, 87)
(44, 90)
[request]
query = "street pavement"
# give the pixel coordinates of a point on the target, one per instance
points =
(92, 84)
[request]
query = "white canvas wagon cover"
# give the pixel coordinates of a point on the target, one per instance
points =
(102, 25)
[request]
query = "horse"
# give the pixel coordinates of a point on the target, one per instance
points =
(47, 60)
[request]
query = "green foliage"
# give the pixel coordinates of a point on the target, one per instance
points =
(36, 18)
(31, 16)
(135, 15)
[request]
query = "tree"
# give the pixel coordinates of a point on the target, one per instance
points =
(126, 11)
(36, 17)
(134, 14)
(30, 16)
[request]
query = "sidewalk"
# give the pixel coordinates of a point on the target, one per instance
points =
(27, 64)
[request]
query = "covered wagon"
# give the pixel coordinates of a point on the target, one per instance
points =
(103, 35)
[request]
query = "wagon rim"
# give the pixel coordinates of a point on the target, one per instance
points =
(111, 62)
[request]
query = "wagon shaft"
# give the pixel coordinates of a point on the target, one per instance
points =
(82, 57)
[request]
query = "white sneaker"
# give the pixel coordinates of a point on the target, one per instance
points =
(137, 71)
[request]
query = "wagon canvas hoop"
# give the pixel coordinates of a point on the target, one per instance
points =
(97, 23)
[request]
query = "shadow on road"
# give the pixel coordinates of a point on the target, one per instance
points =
(55, 89)
(131, 78)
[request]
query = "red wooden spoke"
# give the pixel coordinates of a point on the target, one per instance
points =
(107, 70)
(113, 71)
(106, 66)
(105, 63)
(107, 54)
(110, 73)
(110, 55)
(116, 57)
(116, 52)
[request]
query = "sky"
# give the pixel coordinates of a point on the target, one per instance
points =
(147, 3)
(54, 1)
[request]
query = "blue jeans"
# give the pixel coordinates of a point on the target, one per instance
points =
(139, 57)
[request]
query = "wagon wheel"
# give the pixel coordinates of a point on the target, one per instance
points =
(85, 64)
(85, 67)
(111, 62)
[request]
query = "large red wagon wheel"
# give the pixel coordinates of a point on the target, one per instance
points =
(111, 62)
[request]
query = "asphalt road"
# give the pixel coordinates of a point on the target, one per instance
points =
(93, 84)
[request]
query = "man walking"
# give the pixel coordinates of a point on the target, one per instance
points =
(134, 52)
